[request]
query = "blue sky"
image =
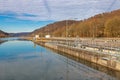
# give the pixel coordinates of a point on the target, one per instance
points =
(13, 25)
(28, 15)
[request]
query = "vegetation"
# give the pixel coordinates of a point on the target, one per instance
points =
(55, 29)
(112, 27)
(3, 34)
(101, 25)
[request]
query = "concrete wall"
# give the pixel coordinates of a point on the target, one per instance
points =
(92, 57)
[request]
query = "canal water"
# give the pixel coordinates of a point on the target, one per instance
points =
(24, 60)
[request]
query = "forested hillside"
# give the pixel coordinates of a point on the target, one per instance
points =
(101, 25)
(54, 29)
(3, 34)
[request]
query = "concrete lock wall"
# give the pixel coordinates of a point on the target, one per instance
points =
(92, 57)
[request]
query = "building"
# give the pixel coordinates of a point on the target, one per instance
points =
(47, 36)
(36, 36)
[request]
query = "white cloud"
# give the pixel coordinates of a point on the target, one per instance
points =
(57, 9)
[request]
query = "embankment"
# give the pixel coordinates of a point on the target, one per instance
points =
(83, 54)
(91, 56)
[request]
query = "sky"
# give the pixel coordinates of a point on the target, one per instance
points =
(28, 15)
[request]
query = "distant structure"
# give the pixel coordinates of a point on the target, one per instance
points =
(37, 37)
(47, 36)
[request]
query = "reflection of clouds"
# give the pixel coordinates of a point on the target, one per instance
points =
(15, 49)
(13, 57)
(28, 64)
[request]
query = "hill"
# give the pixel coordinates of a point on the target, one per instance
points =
(101, 25)
(54, 29)
(19, 34)
(3, 34)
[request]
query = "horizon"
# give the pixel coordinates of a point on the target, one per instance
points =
(31, 15)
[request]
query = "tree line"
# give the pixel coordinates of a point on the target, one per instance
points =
(101, 25)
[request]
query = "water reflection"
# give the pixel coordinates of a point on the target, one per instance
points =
(2, 42)
(93, 65)
(9, 38)
(20, 60)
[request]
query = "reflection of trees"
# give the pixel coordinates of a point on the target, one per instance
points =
(1, 42)
(12, 39)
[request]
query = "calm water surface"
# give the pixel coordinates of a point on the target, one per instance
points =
(23, 60)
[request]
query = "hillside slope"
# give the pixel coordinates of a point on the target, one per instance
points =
(101, 25)
(3, 34)
(54, 29)
(21, 34)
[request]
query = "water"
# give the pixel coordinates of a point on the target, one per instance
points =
(24, 60)
(10, 38)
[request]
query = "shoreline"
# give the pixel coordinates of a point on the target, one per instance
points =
(90, 56)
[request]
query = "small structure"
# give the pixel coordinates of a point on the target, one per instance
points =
(36, 36)
(47, 36)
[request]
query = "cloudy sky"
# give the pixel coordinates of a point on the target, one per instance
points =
(27, 15)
